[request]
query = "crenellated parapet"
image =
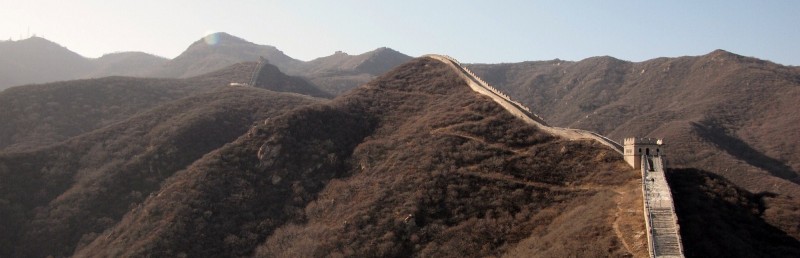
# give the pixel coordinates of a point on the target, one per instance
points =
(635, 147)
(493, 89)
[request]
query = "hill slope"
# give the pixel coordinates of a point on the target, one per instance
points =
(413, 163)
(719, 219)
(723, 113)
(38, 115)
(66, 194)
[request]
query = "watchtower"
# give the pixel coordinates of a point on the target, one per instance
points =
(634, 148)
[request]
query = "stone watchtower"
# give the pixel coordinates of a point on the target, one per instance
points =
(636, 147)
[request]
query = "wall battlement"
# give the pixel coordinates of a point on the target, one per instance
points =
(635, 147)
(640, 140)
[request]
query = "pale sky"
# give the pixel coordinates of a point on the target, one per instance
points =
(471, 31)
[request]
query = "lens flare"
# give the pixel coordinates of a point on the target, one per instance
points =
(211, 38)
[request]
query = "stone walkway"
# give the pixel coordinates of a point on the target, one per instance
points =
(521, 111)
(662, 223)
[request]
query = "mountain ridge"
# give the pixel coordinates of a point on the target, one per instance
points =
(208, 54)
(693, 101)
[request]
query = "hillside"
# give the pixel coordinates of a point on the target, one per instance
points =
(719, 219)
(413, 163)
(66, 194)
(38, 115)
(721, 112)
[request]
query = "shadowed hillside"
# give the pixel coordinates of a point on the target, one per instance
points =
(65, 195)
(721, 112)
(413, 163)
(719, 219)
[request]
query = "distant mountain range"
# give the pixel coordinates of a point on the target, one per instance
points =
(37, 60)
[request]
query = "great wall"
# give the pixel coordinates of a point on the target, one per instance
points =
(661, 223)
(663, 236)
(520, 110)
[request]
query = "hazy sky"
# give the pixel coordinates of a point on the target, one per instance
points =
(471, 31)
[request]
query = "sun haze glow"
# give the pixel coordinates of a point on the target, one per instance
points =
(507, 31)
(211, 38)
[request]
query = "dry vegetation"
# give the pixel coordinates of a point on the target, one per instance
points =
(412, 164)
(68, 193)
(36, 116)
(723, 113)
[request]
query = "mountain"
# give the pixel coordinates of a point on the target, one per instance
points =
(721, 112)
(374, 62)
(333, 75)
(126, 64)
(270, 77)
(66, 194)
(37, 60)
(416, 162)
(219, 50)
(341, 72)
(413, 163)
(39, 115)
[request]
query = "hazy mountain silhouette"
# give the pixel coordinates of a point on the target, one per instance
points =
(721, 112)
(37, 60)
(271, 78)
(136, 64)
(374, 62)
(219, 50)
(341, 72)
